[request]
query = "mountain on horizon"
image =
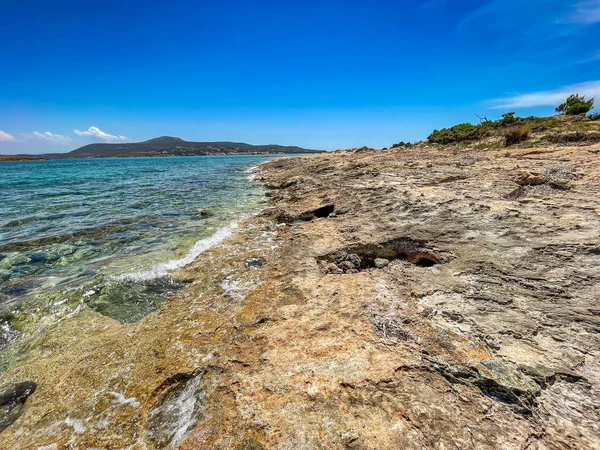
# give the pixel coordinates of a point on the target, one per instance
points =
(163, 140)
(176, 146)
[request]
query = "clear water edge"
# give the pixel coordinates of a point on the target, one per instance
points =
(117, 257)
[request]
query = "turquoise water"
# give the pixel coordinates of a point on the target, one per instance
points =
(109, 232)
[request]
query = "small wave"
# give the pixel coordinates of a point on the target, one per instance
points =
(26, 220)
(197, 249)
(252, 172)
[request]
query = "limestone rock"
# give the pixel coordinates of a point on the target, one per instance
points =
(334, 269)
(529, 178)
(354, 259)
(380, 263)
(347, 265)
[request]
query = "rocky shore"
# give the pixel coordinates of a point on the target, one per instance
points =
(399, 299)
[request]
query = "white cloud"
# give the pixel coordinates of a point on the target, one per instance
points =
(548, 98)
(51, 137)
(97, 133)
(586, 12)
(5, 137)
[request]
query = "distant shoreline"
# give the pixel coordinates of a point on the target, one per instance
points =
(20, 158)
(9, 158)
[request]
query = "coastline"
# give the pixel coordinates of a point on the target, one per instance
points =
(475, 335)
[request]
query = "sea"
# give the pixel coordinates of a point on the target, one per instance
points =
(108, 234)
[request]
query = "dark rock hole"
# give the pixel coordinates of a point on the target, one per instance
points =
(324, 211)
(424, 261)
(359, 257)
(307, 216)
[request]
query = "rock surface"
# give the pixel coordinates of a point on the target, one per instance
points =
(12, 400)
(380, 263)
(483, 332)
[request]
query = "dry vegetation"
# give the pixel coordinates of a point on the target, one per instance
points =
(517, 132)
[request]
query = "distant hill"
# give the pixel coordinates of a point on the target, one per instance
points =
(174, 146)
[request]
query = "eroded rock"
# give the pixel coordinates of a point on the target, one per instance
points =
(176, 411)
(12, 401)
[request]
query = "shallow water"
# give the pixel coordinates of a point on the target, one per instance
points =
(108, 232)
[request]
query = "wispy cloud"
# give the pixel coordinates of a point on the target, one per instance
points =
(97, 133)
(491, 8)
(50, 137)
(535, 17)
(592, 58)
(586, 12)
(547, 98)
(5, 137)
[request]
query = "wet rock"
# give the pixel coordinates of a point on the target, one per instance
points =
(4, 275)
(62, 250)
(205, 213)
(380, 263)
(12, 400)
(255, 262)
(176, 412)
(42, 257)
(15, 259)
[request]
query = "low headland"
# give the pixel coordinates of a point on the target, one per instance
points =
(443, 294)
(165, 146)
(21, 158)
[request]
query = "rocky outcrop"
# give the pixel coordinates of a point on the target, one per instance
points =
(396, 299)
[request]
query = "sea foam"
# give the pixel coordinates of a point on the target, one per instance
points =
(163, 269)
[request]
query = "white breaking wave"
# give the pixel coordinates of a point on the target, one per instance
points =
(163, 269)
(252, 173)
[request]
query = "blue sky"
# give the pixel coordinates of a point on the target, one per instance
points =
(316, 73)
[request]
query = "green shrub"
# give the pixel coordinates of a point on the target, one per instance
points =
(491, 128)
(402, 144)
(574, 105)
(457, 133)
(508, 119)
(515, 135)
(595, 116)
